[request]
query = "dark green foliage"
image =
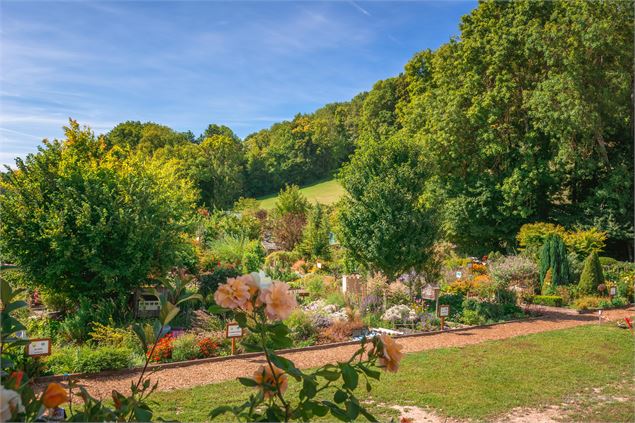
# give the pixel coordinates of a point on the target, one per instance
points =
(481, 312)
(455, 301)
(209, 281)
(592, 275)
(547, 300)
(553, 255)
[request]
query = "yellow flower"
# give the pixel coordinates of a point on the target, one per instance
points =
(279, 301)
(233, 294)
(54, 395)
(391, 353)
(10, 404)
(267, 381)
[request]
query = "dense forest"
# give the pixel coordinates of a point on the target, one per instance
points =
(526, 116)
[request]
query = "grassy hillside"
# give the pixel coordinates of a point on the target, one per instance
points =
(326, 192)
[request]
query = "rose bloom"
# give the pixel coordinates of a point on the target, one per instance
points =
(267, 383)
(54, 395)
(279, 301)
(10, 404)
(233, 294)
(391, 353)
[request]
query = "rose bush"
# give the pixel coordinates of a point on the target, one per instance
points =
(261, 312)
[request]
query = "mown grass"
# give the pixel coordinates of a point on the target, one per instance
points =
(477, 381)
(327, 192)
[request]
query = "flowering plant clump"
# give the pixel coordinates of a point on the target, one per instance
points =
(259, 305)
(207, 347)
(162, 351)
(399, 313)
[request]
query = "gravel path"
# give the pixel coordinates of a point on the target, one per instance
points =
(206, 373)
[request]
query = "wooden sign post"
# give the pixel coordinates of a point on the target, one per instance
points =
(443, 311)
(233, 331)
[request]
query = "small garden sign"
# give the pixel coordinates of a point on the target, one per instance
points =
(444, 311)
(39, 347)
(233, 331)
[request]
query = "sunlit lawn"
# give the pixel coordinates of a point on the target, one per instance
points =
(327, 192)
(478, 381)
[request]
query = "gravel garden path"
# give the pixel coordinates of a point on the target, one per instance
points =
(211, 372)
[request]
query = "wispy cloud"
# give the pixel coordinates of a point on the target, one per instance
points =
(187, 64)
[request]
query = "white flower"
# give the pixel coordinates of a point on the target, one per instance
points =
(262, 280)
(10, 404)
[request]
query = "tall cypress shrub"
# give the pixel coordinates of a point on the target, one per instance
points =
(553, 255)
(592, 275)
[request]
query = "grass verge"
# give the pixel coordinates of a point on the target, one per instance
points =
(327, 192)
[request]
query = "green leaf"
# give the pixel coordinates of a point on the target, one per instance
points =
(340, 396)
(350, 376)
(245, 381)
(309, 387)
(241, 319)
(168, 312)
(216, 309)
(286, 365)
(337, 412)
(352, 410)
(198, 297)
(14, 306)
(219, 410)
(374, 374)
(328, 374)
(138, 330)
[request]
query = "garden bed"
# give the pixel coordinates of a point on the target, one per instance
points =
(187, 363)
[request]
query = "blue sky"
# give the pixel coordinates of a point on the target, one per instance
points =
(190, 63)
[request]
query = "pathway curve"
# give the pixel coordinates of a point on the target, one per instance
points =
(211, 372)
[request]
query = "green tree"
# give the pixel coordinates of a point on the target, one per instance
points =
(553, 257)
(383, 221)
(316, 238)
(291, 200)
(592, 275)
(82, 221)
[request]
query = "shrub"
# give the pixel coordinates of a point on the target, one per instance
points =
(89, 359)
(584, 242)
(515, 271)
(185, 347)
(532, 236)
(397, 293)
(553, 255)
(547, 284)
(56, 301)
(592, 275)
(253, 257)
(114, 337)
(336, 298)
(371, 304)
(76, 326)
(399, 313)
(314, 284)
(548, 300)
(587, 302)
(339, 331)
(207, 347)
(42, 327)
(472, 317)
(209, 281)
(455, 301)
(301, 325)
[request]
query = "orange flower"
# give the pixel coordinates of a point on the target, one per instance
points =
(267, 381)
(391, 353)
(233, 294)
(16, 378)
(279, 301)
(54, 395)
